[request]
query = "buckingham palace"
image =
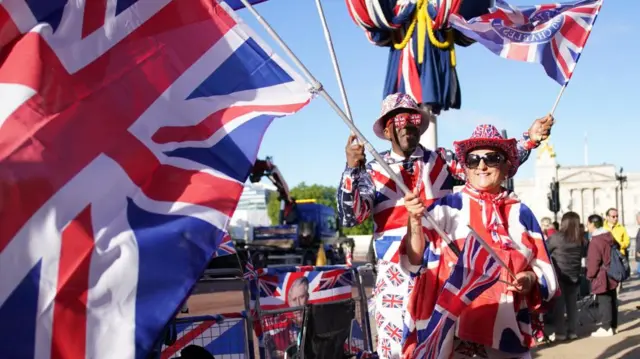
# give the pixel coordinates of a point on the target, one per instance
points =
(586, 189)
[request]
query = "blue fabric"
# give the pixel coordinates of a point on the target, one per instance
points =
(438, 80)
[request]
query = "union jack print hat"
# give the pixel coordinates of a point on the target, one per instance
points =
(489, 136)
(394, 102)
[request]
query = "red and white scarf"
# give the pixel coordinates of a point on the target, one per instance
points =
(493, 208)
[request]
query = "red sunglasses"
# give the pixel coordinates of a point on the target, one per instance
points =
(403, 119)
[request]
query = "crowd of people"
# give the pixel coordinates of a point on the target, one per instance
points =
(578, 253)
(413, 260)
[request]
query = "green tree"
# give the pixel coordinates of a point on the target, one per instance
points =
(325, 195)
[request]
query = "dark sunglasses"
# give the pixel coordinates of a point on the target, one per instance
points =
(491, 159)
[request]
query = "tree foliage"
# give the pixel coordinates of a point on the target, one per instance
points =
(325, 195)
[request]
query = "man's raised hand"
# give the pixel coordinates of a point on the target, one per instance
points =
(355, 153)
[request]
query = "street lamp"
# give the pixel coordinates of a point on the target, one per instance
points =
(622, 179)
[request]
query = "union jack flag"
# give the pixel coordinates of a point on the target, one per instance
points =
(553, 35)
(127, 130)
(221, 335)
(226, 248)
(475, 271)
(325, 284)
(385, 348)
(395, 276)
(249, 272)
(392, 301)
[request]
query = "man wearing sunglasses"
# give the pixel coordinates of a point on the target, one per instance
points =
(366, 189)
(619, 233)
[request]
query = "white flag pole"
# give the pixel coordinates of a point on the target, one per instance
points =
(317, 87)
(334, 59)
(555, 104)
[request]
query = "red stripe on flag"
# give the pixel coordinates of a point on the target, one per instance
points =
(564, 67)
(58, 132)
(546, 7)
(390, 218)
(168, 183)
(383, 180)
(436, 170)
(184, 340)
(574, 32)
(95, 12)
(70, 304)
(215, 122)
(9, 31)
(362, 12)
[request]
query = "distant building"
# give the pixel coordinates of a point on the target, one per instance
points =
(251, 210)
(585, 189)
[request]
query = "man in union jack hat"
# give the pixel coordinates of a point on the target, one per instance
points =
(366, 189)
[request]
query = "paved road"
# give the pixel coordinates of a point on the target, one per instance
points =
(624, 345)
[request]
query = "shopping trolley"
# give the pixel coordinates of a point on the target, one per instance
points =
(225, 336)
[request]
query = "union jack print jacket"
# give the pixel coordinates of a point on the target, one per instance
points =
(369, 191)
(498, 319)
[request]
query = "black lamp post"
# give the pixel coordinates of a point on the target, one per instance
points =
(622, 179)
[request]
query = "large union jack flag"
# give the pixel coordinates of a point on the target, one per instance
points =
(553, 35)
(127, 130)
(475, 271)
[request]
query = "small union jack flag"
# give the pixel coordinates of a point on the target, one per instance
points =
(380, 286)
(385, 348)
(334, 279)
(474, 273)
(553, 35)
(249, 271)
(393, 331)
(395, 277)
(226, 247)
(392, 301)
(379, 319)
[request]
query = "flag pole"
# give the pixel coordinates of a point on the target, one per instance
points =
(334, 59)
(317, 87)
(555, 104)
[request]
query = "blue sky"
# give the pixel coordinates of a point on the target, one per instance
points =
(600, 99)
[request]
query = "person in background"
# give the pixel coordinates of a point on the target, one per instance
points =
(638, 244)
(617, 229)
(547, 227)
(620, 234)
(365, 190)
(566, 248)
(604, 287)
